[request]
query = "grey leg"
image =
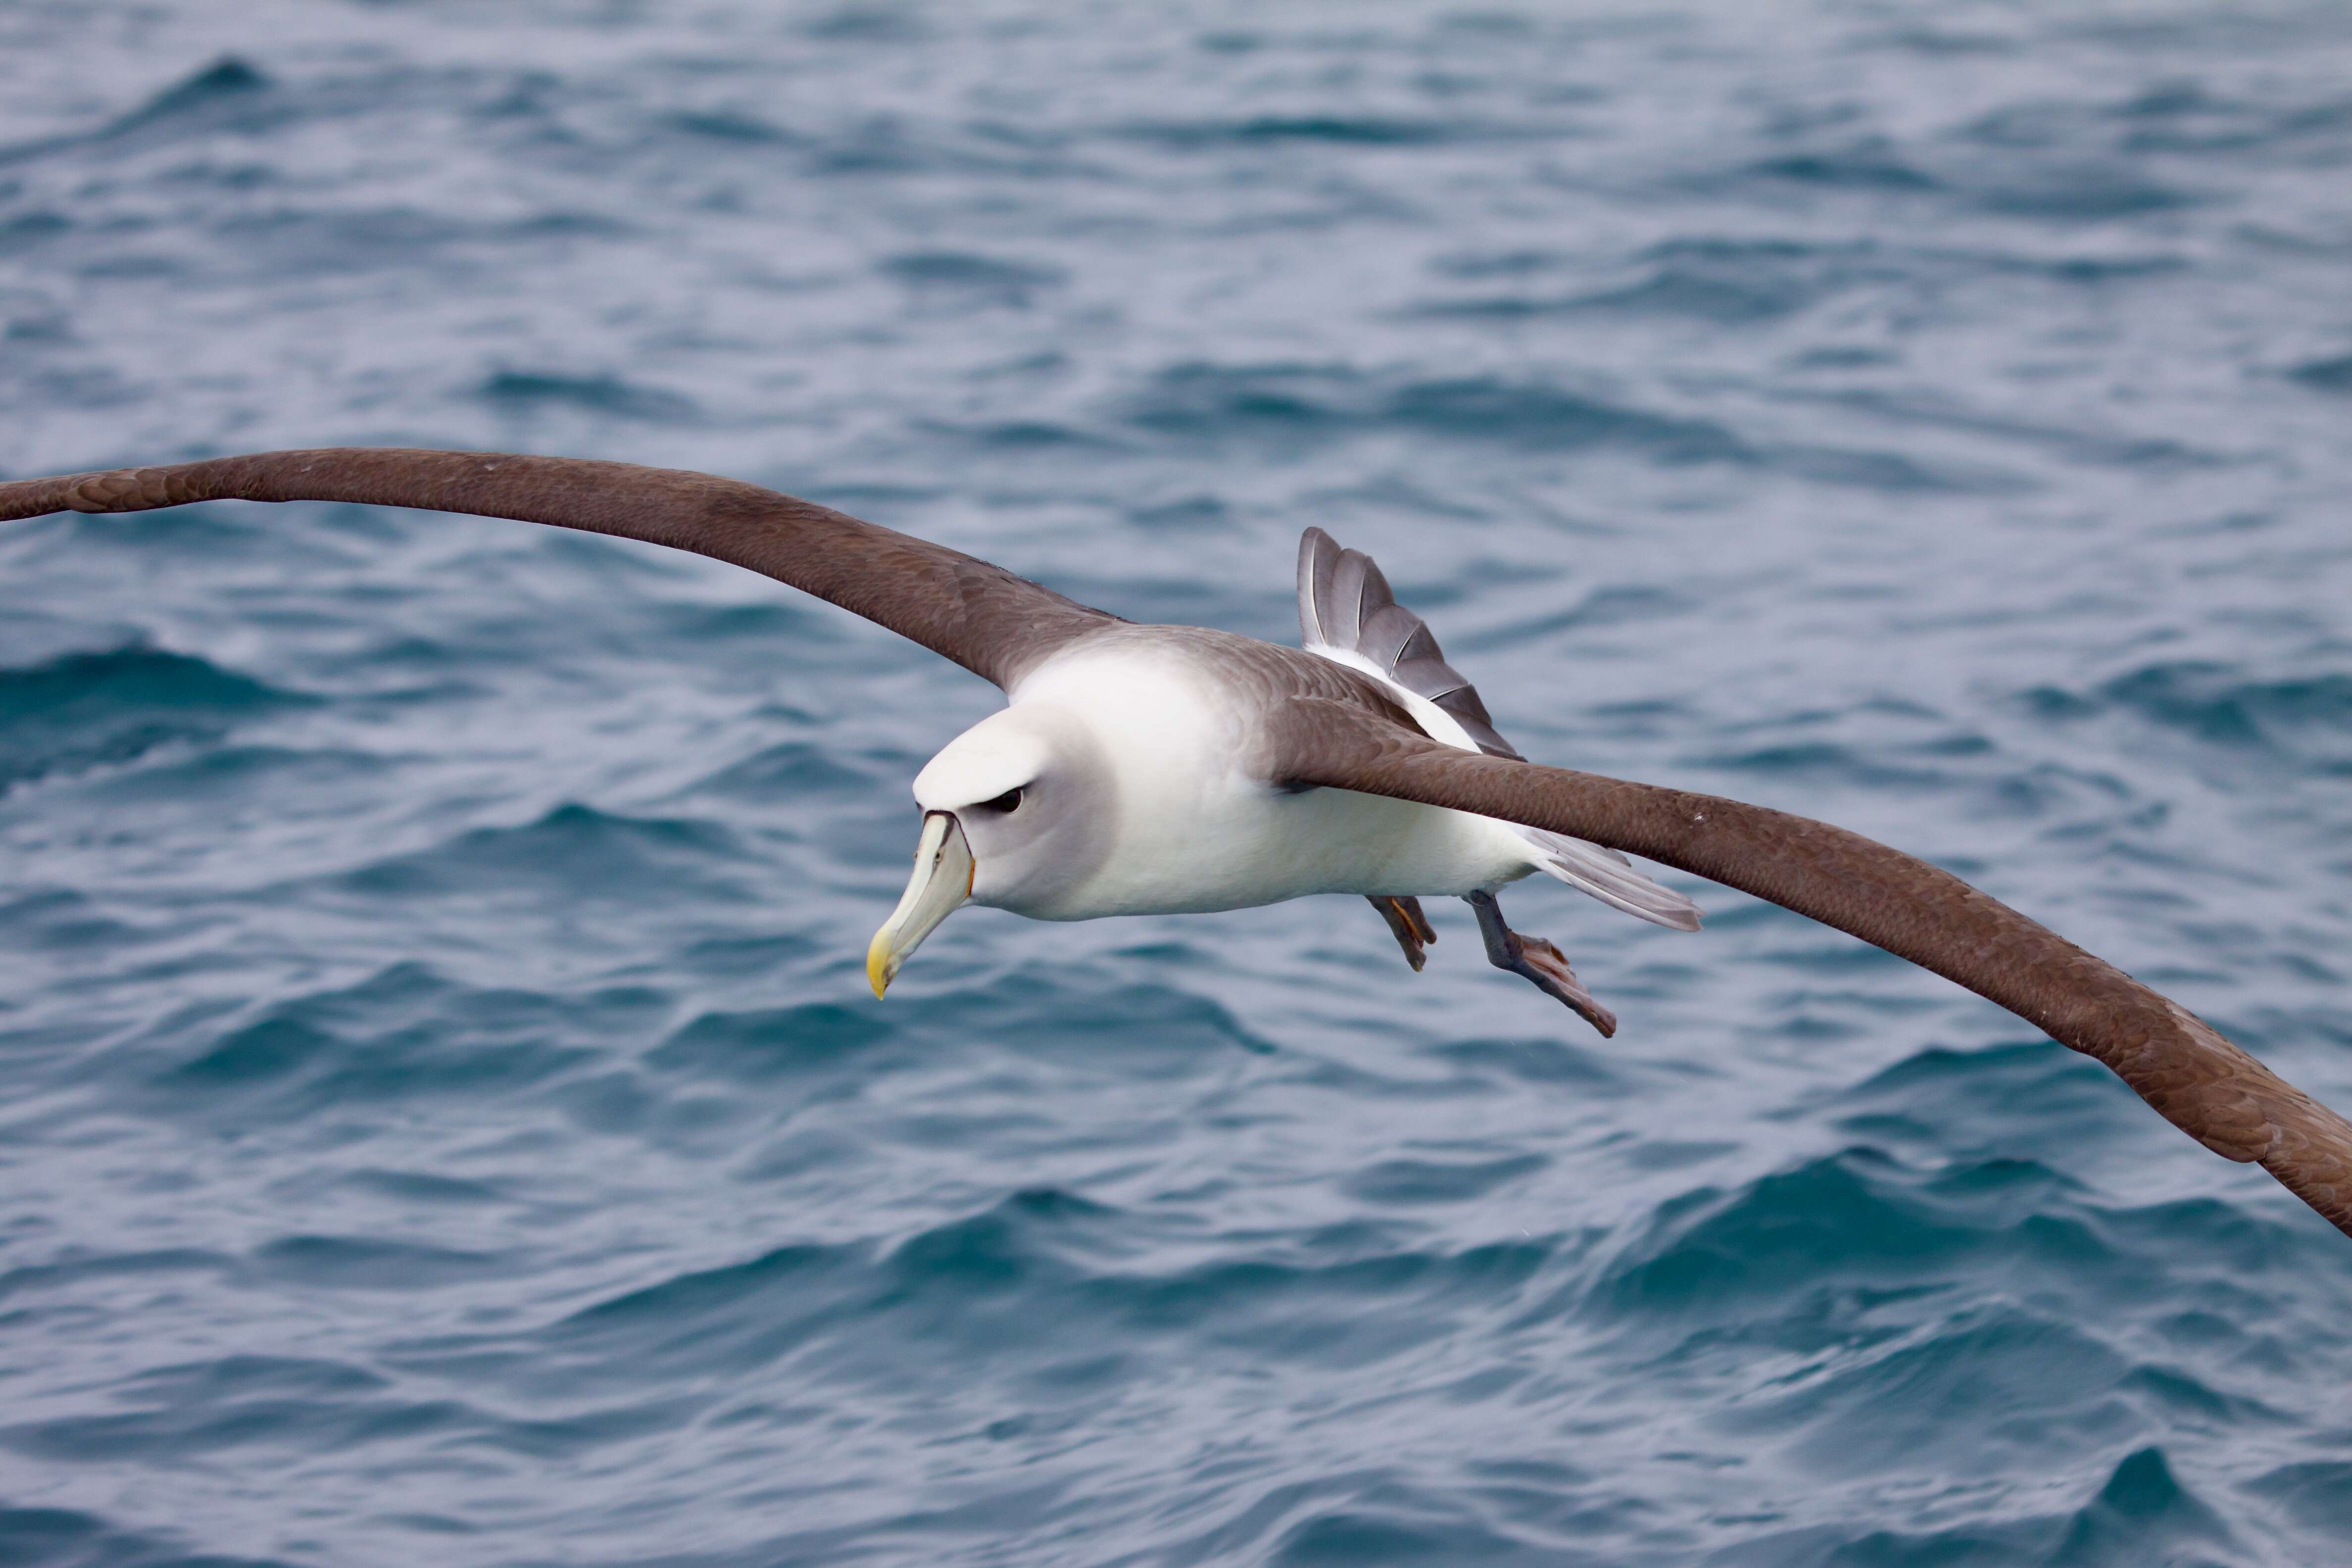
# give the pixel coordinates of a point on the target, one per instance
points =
(1408, 925)
(1539, 961)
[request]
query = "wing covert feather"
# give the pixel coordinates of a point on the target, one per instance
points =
(2197, 1080)
(983, 617)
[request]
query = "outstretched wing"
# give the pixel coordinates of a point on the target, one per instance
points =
(983, 617)
(2201, 1083)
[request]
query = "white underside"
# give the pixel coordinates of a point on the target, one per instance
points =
(1195, 832)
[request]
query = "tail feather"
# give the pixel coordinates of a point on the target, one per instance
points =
(1607, 876)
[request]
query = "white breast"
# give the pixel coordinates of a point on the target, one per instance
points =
(1196, 831)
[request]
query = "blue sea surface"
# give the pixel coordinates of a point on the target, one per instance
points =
(442, 1118)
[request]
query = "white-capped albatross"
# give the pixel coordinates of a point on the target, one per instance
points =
(1143, 769)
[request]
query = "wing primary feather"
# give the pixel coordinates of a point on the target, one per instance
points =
(982, 616)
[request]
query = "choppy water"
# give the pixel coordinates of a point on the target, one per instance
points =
(441, 1116)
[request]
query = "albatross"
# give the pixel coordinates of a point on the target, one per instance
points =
(1157, 770)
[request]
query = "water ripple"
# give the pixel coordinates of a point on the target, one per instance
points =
(442, 1114)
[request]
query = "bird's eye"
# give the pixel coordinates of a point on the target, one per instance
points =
(1009, 800)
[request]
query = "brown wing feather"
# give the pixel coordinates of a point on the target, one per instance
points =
(983, 617)
(2201, 1083)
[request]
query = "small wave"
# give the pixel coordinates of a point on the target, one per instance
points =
(773, 1042)
(1986, 1099)
(403, 1033)
(718, 1321)
(957, 1289)
(2143, 1511)
(605, 394)
(729, 957)
(966, 281)
(2308, 717)
(886, 145)
(2218, 705)
(573, 851)
(26, 231)
(1837, 1219)
(1287, 402)
(2057, 186)
(372, 1263)
(1330, 130)
(1866, 167)
(1728, 282)
(2317, 1493)
(1018, 436)
(1537, 415)
(1207, 401)
(422, 1187)
(60, 921)
(292, 241)
(218, 1421)
(2325, 374)
(228, 773)
(86, 711)
(228, 81)
(1409, 1183)
(2078, 192)
(1162, 1029)
(1292, 403)
(1546, 1061)
(1826, 761)
(229, 95)
(1624, 605)
(730, 126)
(866, 25)
(69, 1538)
(1370, 1534)
(794, 770)
(35, 1278)
(1959, 1400)
(2139, 1514)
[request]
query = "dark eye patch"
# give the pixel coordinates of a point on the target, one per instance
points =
(1009, 800)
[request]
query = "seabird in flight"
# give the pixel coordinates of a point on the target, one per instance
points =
(1159, 770)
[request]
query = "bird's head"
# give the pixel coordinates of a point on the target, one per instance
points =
(1017, 810)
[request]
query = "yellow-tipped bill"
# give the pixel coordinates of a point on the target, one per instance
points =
(941, 886)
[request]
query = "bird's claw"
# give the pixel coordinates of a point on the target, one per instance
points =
(1409, 926)
(1534, 959)
(1544, 963)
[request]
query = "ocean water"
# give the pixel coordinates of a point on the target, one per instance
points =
(442, 1117)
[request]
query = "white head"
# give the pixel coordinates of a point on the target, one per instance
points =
(1017, 811)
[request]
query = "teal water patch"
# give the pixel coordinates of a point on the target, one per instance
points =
(575, 850)
(442, 1114)
(91, 710)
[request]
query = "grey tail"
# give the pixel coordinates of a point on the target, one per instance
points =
(1344, 603)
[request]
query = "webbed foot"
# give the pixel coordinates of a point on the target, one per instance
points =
(1538, 960)
(1408, 925)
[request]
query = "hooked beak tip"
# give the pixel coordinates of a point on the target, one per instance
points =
(941, 885)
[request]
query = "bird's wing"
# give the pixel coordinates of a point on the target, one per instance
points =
(2201, 1083)
(983, 617)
